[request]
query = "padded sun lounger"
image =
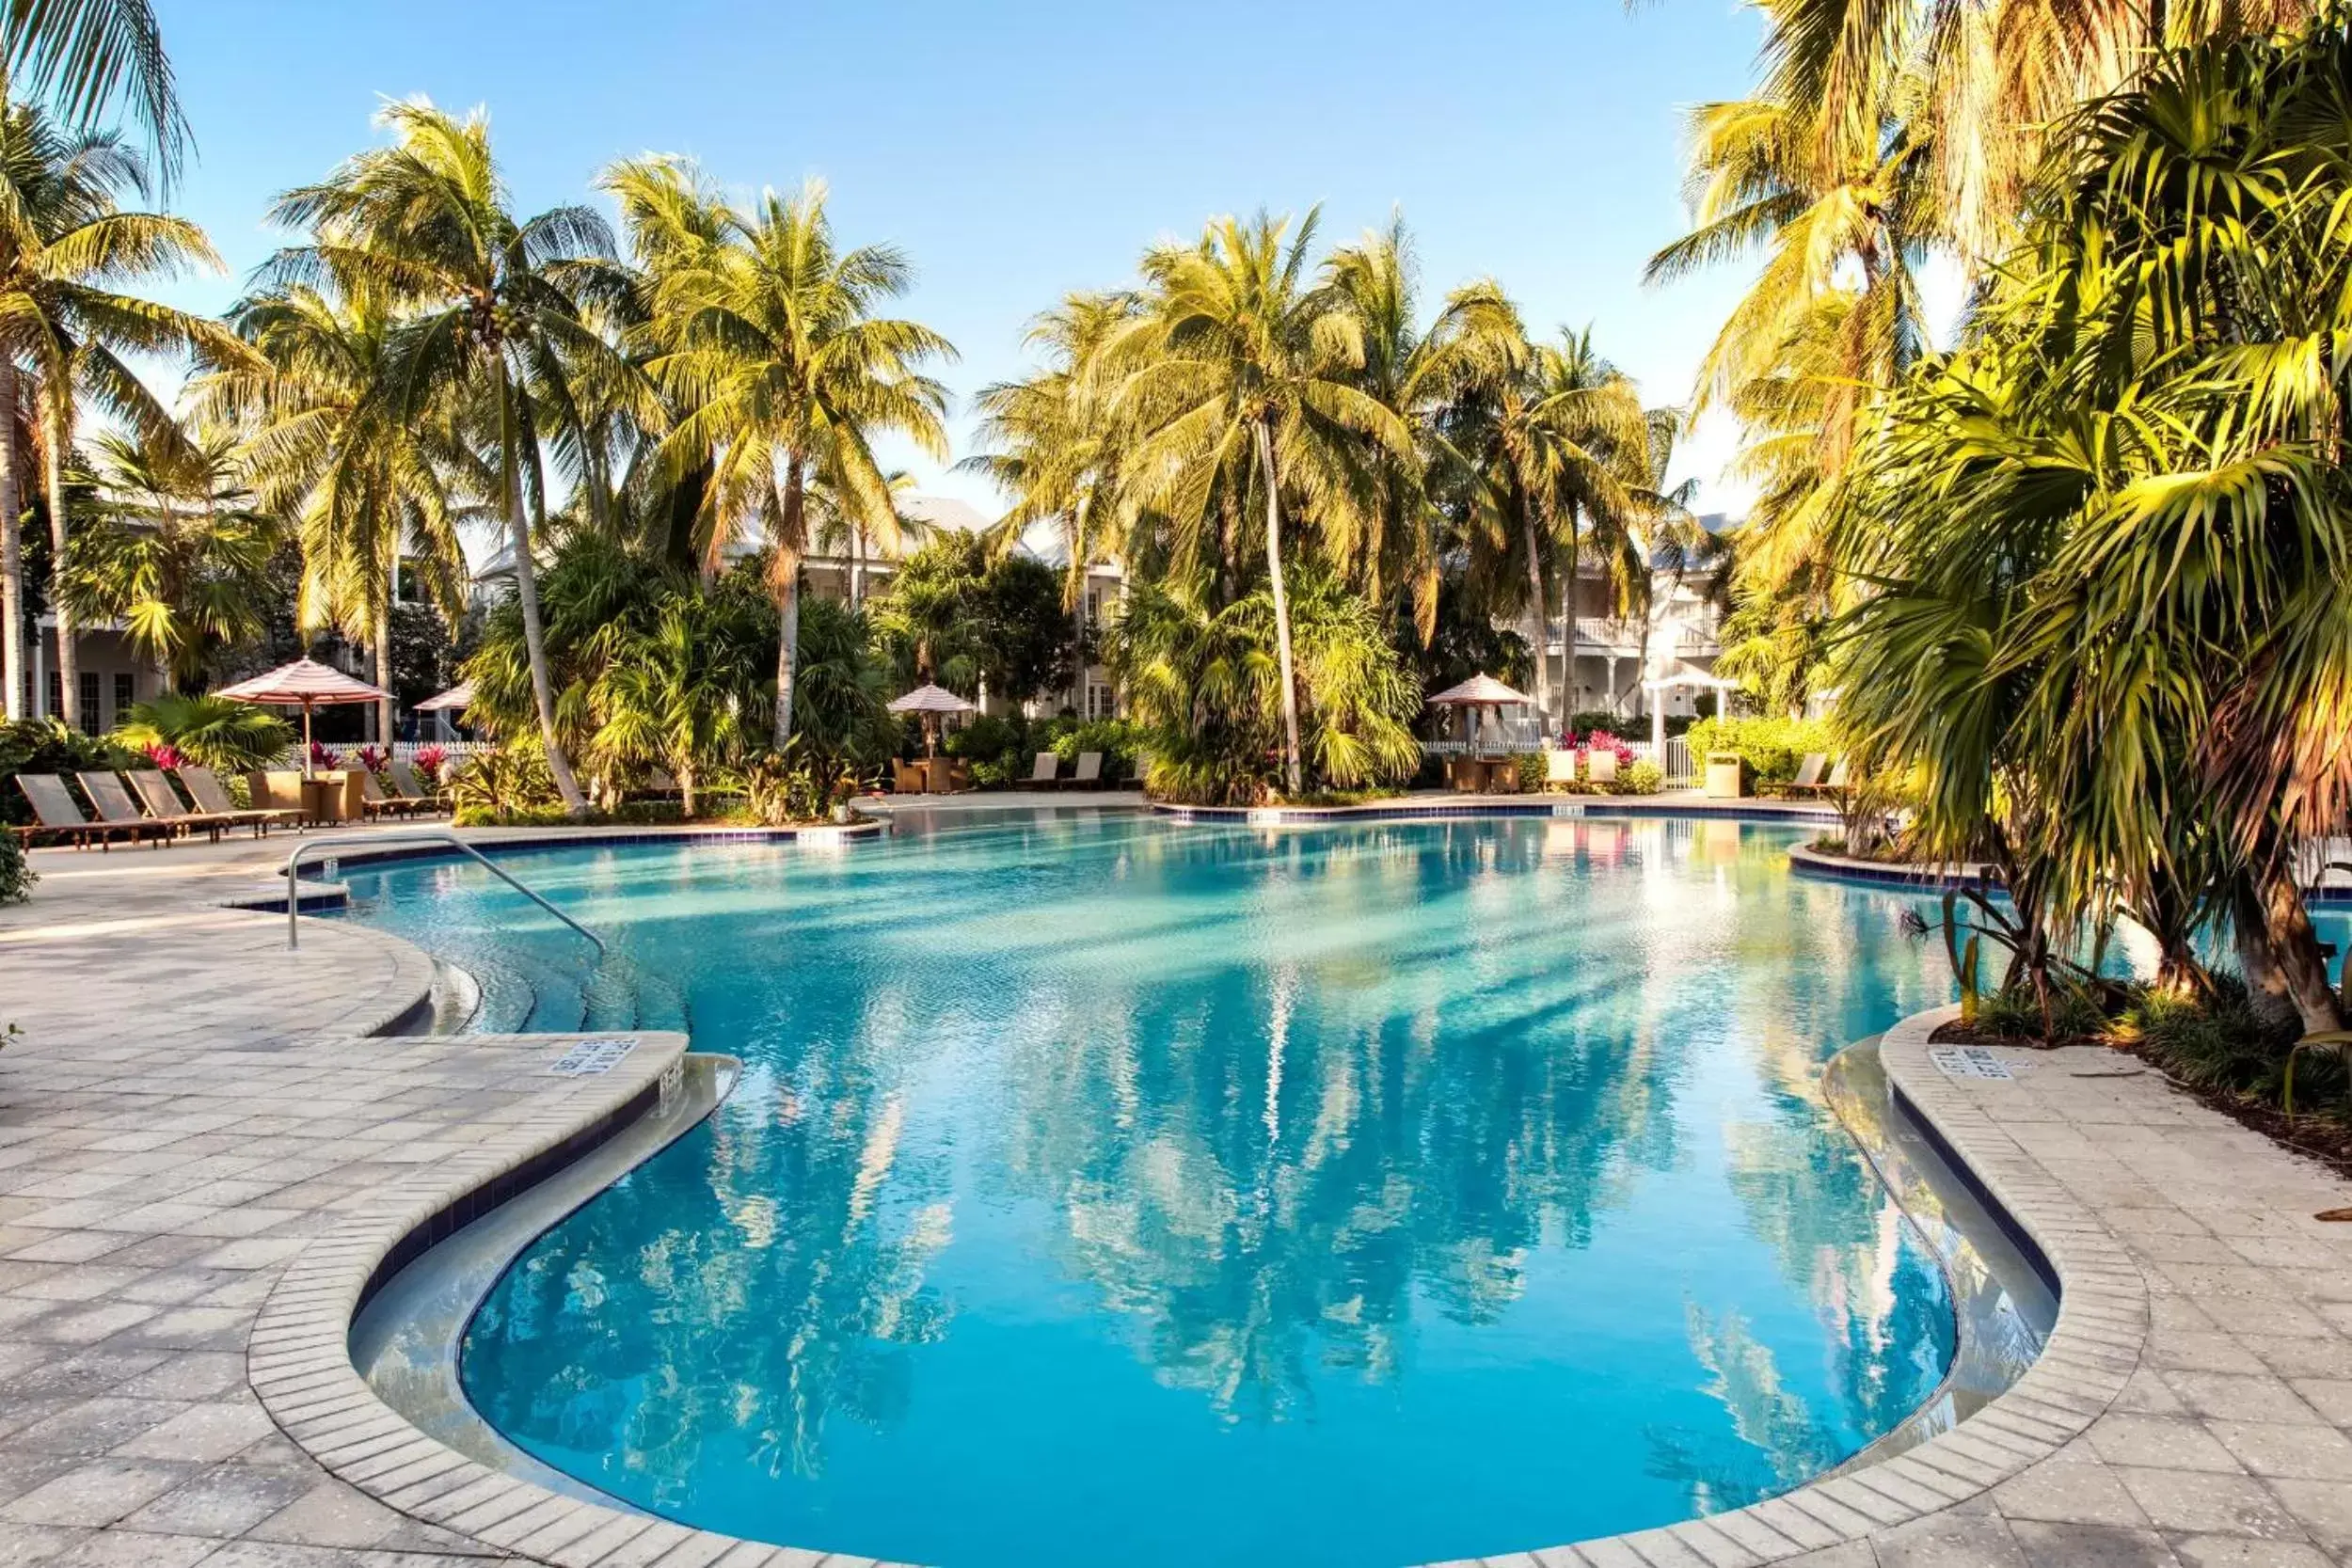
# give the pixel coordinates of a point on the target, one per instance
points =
(406, 788)
(116, 806)
(1835, 785)
(375, 802)
(1044, 768)
(1559, 770)
(55, 814)
(213, 799)
(1600, 766)
(1089, 771)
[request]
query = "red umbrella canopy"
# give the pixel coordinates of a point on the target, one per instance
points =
(304, 682)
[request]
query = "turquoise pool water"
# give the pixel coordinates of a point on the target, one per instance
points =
(1109, 1191)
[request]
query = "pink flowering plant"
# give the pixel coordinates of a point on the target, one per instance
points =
(165, 754)
(323, 755)
(429, 761)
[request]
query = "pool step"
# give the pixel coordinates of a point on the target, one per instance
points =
(508, 999)
(661, 1004)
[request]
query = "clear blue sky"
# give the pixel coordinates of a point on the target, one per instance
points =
(1020, 151)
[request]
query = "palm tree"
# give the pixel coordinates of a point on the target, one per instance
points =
(324, 445)
(424, 227)
(86, 56)
(177, 552)
(1247, 380)
(782, 372)
(64, 248)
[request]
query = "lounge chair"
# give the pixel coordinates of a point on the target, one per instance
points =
(375, 802)
(1045, 769)
(115, 805)
(211, 798)
(1834, 785)
(164, 804)
(55, 814)
(1088, 773)
(1559, 770)
(406, 786)
(1600, 766)
(1808, 777)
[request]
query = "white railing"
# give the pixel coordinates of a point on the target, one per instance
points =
(1675, 766)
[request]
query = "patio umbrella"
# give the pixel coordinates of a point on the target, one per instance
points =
(1481, 691)
(455, 700)
(304, 683)
(930, 701)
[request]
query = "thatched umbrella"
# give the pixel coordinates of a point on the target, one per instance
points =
(930, 701)
(304, 683)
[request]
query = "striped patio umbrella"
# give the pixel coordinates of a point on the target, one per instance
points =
(304, 683)
(930, 701)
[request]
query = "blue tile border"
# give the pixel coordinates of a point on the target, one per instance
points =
(426, 850)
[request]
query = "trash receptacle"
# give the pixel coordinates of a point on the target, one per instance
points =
(1726, 776)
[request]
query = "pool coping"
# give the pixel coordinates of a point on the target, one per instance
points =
(1565, 807)
(299, 1365)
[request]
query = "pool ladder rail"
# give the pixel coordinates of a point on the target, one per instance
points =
(434, 835)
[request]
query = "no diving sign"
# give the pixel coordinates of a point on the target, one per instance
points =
(1969, 1061)
(590, 1058)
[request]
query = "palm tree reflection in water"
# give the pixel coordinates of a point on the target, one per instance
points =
(1377, 1133)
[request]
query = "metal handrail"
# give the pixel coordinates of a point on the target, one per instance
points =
(437, 835)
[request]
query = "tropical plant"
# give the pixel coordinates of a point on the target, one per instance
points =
(493, 325)
(687, 691)
(763, 329)
(17, 877)
(1207, 687)
(213, 732)
(173, 550)
(2104, 540)
(1244, 386)
(88, 55)
(66, 249)
(329, 441)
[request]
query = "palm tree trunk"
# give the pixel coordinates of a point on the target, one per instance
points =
(527, 597)
(2300, 966)
(13, 668)
(1290, 768)
(1538, 614)
(784, 581)
(384, 671)
(69, 659)
(686, 791)
(1567, 617)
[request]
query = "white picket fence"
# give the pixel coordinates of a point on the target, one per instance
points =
(1676, 765)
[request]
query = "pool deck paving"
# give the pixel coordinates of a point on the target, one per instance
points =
(203, 1154)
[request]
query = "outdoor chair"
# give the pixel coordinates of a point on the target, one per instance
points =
(905, 777)
(1600, 766)
(1559, 770)
(213, 799)
(1808, 777)
(375, 802)
(1835, 785)
(162, 803)
(114, 804)
(406, 786)
(1088, 773)
(1045, 769)
(278, 789)
(55, 814)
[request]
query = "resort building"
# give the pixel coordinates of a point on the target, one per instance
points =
(112, 675)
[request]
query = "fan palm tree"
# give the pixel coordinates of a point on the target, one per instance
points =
(86, 56)
(424, 227)
(65, 249)
(769, 342)
(1246, 376)
(325, 443)
(176, 552)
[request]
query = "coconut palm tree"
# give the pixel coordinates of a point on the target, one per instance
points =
(767, 341)
(87, 55)
(175, 550)
(66, 249)
(490, 320)
(1246, 378)
(326, 443)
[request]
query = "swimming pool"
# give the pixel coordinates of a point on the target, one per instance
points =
(1101, 1189)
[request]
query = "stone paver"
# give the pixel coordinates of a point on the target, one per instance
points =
(203, 1156)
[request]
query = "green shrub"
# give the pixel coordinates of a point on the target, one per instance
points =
(987, 738)
(2013, 1014)
(218, 733)
(1773, 749)
(510, 785)
(1534, 769)
(49, 746)
(1640, 778)
(16, 877)
(2221, 1041)
(1119, 742)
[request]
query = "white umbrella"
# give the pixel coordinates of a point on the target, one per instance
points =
(1477, 692)
(455, 700)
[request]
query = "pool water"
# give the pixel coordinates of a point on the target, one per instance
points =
(1101, 1189)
